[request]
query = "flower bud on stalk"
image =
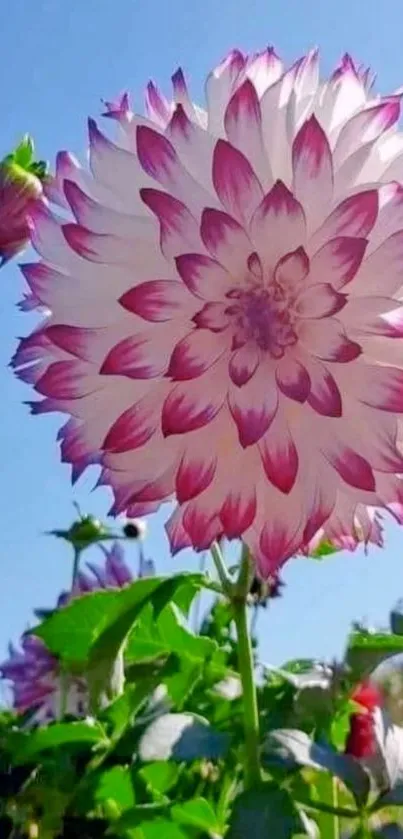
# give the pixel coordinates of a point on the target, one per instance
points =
(21, 180)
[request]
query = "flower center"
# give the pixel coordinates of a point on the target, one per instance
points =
(261, 314)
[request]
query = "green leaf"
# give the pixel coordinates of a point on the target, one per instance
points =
(132, 827)
(396, 619)
(164, 634)
(72, 632)
(264, 813)
(24, 152)
(366, 650)
(115, 785)
(60, 734)
(181, 737)
(120, 713)
(296, 745)
(323, 550)
(160, 776)
(196, 813)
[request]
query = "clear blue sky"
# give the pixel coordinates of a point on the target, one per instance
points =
(58, 58)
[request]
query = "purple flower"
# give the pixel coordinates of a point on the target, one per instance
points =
(37, 684)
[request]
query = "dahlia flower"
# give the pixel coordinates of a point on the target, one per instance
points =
(36, 681)
(225, 306)
(20, 185)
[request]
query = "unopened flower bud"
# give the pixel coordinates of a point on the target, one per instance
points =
(20, 186)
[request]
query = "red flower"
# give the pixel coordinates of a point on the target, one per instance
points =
(361, 740)
(367, 695)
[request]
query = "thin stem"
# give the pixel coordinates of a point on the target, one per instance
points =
(250, 708)
(252, 770)
(335, 801)
(76, 563)
(221, 568)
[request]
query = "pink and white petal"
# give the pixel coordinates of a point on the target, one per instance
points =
(389, 254)
(201, 521)
(219, 88)
(68, 380)
(264, 69)
(212, 316)
(390, 214)
(225, 240)
(195, 473)
(313, 171)
(319, 301)
(281, 533)
(194, 147)
(338, 261)
(144, 355)
(193, 404)
(355, 216)
(195, 354)
(279, 455)
(326, 339)
(365, 127)
(277, 108)
(319, 501)
(235, 182)
(181, 93)
(364, 316)
(117, 170)
(324, 397)
(177, 535)
(238, 511)
(157, 107)
(292, 269)
(243, 364)
(67, 167)
(254, 406)
(380, 387)
(203, 276)
(342, 96)
(293, 379)
(243, 125)
(179, 230)
(160, 161)
(135, 426)
(277, 226)
(305, 91)
(159, 301)
(349, 464)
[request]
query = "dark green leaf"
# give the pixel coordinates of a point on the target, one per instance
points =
(196, 813)
(57, 735)
(181, 737)
(396, 619)
(366, 650)
(267, 812)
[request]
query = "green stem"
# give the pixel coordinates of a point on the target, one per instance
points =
(250, 708)
(76, 563)
(237, 593)
(335, 801)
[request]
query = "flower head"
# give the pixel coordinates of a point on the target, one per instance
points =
(36, 681)
(361, 739)
(226, 311)
(20, 186)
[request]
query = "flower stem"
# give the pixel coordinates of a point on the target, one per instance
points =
(76, 562)
(250, 708)
(237, 593)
